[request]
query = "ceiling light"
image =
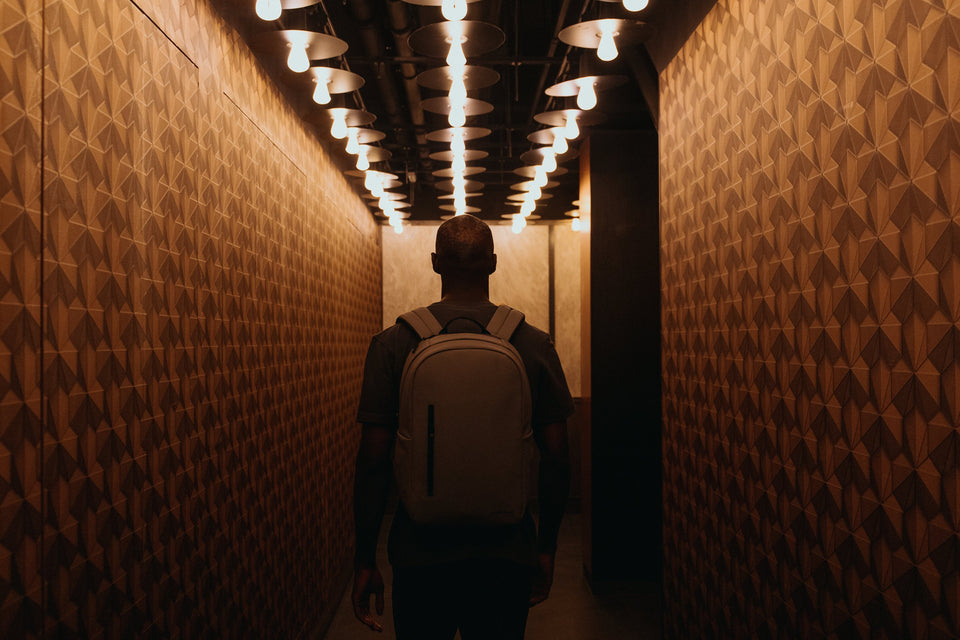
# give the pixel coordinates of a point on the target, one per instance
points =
(454, 9)
(269, 9)
(586, 97)
(635, 5)
(339, 127)
(456, 58)
(570, 128)
(353, 144)
(362, 163)
(540, 176)
(607, 49)
(298, 60)
(549, 161)
(458, 116)
(321, 95)
(560, 145)
(575, 224)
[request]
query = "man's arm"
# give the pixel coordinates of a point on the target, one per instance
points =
(554, 487)
(371, 484)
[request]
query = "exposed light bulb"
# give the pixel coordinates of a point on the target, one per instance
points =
(457, 145)
(527, 208)
(321, 95)
(587, 96)
(454, 9)
(298, 60)
(458, 90)
(575, 224)
(560, 145)
(635, 5)
(353, 143)
(397, 225)
(459, 163)
(339, 127)
(370, 179)
(458, 116)
(460, 201)
(540, 176)
(269, 9)
(535, 192)
(570, 128)
(455, 57)
(362, 163)
(519, 222)
(607, 49)
(549, 161)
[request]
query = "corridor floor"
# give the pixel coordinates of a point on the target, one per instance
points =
(572, 612)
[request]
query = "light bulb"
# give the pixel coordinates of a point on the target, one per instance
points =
(457, 145)
(362, 163)
(575, 224)
(388, 209)
(339, 127)
(527, 208)
(549, 161)
(370, 179)
(298, 60)
(458, 116)
(587, 96)
(321, 95)
(383, 202)
(607, 49)
(377, 189)
(397, 226)
(459, 164)
(535, 192)
(353, 144)
(460, 201)
(458, 90)
(540, 176)
(570, 128)
(455, 58)
(519, 222)
(635, 5)
(560, 145)
(454, 9)
(269, 9)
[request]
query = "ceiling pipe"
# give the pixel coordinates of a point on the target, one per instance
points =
(401, 29)
(561, 20)
(363, 14)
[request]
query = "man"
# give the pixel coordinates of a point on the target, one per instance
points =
(480, 579)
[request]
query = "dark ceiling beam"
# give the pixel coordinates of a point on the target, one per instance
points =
(486, 62)
(541, 85)
(400, 26)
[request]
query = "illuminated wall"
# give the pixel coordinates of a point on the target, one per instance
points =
(810, 245)
(187, 288)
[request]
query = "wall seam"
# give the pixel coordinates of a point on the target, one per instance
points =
(43, 245)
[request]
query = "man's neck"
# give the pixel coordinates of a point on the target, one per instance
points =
(465, 293)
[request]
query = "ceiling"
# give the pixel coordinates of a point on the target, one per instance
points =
(530, 59)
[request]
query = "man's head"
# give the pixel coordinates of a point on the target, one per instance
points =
(464, 250)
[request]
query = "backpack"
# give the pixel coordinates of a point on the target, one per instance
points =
(464, 446)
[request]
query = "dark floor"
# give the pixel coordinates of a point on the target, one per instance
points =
(573, 611)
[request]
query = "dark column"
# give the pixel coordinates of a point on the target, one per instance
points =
(621, 278)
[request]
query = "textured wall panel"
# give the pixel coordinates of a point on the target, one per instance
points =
(810, 239)
(20, 318)
(209, 282)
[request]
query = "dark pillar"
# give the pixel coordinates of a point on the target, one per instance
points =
(621, 287)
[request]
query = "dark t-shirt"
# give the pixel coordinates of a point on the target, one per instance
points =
(416, 545)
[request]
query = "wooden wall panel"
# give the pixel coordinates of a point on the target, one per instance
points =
(209, 282)
(810, 159)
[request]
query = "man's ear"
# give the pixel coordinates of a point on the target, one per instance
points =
(433, 261)
(493, 264)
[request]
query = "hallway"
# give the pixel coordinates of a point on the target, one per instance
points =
(572, 612)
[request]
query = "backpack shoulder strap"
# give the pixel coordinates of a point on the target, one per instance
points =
(423, 322)
(504, 322)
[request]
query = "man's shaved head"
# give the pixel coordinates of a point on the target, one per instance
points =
(464, 247)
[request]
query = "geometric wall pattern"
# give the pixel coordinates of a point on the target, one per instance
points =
(188, 286)
(810, 248)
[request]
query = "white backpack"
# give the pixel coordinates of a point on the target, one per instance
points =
(464, 448)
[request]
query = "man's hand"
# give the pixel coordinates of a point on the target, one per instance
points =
(543, 579)
(366, 583)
